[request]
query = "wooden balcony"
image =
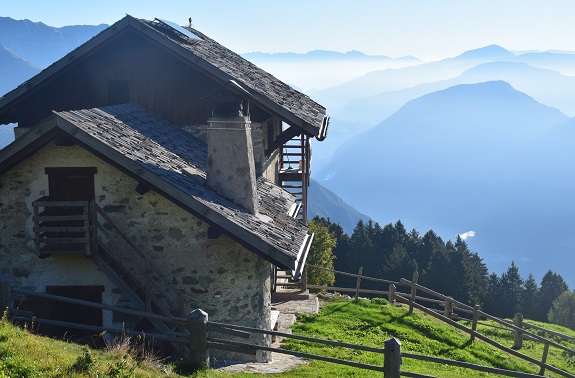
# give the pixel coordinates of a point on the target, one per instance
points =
(61, 227)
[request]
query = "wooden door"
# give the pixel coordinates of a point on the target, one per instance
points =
(73, 313)
(69, 184)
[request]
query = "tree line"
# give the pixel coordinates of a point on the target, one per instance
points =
(450, 268)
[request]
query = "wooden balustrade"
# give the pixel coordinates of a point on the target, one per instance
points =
(61, 226)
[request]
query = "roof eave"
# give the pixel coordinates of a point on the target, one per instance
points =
(302, 257)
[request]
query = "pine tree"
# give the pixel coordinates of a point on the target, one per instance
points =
(491, 302)
(530, 302)
(552, 286)
(476, 279)
(511, 291)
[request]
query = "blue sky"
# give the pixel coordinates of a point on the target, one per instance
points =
(427, 29)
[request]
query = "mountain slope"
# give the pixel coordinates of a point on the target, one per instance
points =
(484, 54)
(15, 70)
(41, 44)
(325, 203)
(387, 80)
(546, 86)
(438, 164)
(321, 69)
(6, 135)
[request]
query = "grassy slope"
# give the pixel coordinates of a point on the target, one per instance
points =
(371, 324)
(22, 354)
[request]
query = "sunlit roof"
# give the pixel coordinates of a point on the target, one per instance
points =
(178, 28)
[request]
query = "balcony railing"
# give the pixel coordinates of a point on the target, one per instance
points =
(61, 227)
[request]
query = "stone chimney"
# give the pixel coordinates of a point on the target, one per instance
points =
(231, 167)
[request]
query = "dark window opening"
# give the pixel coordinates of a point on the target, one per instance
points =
(68, 312)
(71, 183)
(68, 184)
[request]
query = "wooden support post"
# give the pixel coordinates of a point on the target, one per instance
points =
(518, 322)
(392, 358)
(474, 323)
(413, 291)
(358, 282)
(391, 295)
(544, 358)
(448, 303)
(5, 293)
(198, 328)
(303, 283)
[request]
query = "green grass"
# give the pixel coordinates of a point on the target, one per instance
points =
(364, 322)
(369, 323)
(23, 354)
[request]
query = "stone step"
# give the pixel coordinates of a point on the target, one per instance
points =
(289, 295)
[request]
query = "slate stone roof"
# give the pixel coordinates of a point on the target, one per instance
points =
(229, 68)
(180, 159)
(255, 79)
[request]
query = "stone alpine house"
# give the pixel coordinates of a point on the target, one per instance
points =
(150, 170)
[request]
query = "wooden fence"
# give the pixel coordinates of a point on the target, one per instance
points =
(198, 337)
(452, 310)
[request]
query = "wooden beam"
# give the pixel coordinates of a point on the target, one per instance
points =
(282, 139)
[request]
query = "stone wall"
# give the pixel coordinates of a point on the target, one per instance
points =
(218, 275)
(267, 166)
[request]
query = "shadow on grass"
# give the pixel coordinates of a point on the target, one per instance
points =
(338, 306)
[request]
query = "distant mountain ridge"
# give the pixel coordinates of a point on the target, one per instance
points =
(6, 135)
(324, 55)
(326, 204)
(450, 161)
(40, 44)
(488, 53)
(16, 70)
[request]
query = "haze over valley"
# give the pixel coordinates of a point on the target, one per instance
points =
(479, 144)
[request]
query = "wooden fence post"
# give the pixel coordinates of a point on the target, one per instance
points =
(198, 328)
(303, 283)
(518, 322)
(391, 293)
(392, 358)
(474, 323)
(544, 358)
(358, 282)
(413, 291)
(448, 309)
(5, 293)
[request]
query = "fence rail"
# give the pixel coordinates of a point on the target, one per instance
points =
(198, 339)
(455, 310)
